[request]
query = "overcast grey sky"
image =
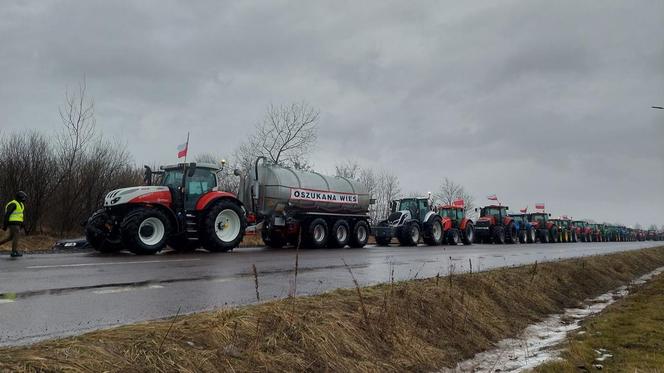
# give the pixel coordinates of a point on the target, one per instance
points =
(535, 101)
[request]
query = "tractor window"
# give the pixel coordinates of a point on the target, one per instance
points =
(172, 179)
(423, 207)
(200, 183)
(459, 214)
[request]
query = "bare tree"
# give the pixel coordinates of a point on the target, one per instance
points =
(285, 136)
(450, 191)
(348, 169)
(653, 227)
(387, 190)
(226, 178)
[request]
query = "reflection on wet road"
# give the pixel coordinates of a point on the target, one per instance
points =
(51, 295)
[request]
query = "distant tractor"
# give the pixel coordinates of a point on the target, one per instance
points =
(583, 230)
(527, 233)
(495, 225)
(184, 209)
(597, 232)
(456, 226)
(568, 232)
(547, 231)
(410, 219)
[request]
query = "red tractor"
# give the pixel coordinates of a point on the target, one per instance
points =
(456, 226)
(185, 209)
(495, 225)
(547, 231)
(583, 230)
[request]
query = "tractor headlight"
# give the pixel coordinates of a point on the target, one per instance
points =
(115, 200)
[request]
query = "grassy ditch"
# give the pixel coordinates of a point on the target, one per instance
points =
(418, 325)
(631, 330)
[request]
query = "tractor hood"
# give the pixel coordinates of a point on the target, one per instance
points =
(398, 217)
(143, 194)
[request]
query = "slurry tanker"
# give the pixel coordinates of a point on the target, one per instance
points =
(291, 207)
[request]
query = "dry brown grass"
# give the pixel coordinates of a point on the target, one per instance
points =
(29, 244)
(418, 325)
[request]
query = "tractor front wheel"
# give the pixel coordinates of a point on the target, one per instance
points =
(224, 226)
(499, 235)
(469, 234)
(511, 233)
(101, 233)
(434, 232)
(410, 234)
(145, 231)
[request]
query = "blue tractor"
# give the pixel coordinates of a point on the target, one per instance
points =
(527, 233)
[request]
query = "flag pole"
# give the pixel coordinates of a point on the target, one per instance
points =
(186, 148)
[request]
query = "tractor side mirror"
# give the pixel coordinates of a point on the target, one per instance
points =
(549, 214)
(475, 209)
(147, 175)
(191, 170)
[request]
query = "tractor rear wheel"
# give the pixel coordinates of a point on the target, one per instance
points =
(224, 226)
(145, 231)
(359, 235)
(544, 236)
(469, 234)
(340, 234)
(316, 235)
(555, 235)
(433, 232)
(98, 235)
(453, 237)
(511, 234)
(499, 235)
(409, 234)
(523, 236)
(531, 235)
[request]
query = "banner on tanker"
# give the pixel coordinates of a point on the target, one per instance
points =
(458, 203)
(539, 206)
(322, 196)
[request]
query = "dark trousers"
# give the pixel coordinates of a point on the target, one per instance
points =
(13, 237)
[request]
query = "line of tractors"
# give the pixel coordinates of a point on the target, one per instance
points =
(412, 218)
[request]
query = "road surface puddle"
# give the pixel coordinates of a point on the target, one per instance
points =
(538, 343)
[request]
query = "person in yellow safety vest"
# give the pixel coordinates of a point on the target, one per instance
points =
(14, 221)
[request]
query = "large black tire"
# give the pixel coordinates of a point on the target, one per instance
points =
(409, 234)
(359, 235)
(97, 235)
(453, 237)
(575, 238)
(531, 235)
(499, 235)
(433, 232)
(468, 234)
(272, 239)
(223, 226)
(182, 244)
(316, 234)
(555, 235)
(511, 233)
(339, 234)
(145, 231)
(523, 236)
(544, 236)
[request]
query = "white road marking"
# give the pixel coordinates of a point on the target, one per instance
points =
(6, 301)
(111, 263)
(125, 289)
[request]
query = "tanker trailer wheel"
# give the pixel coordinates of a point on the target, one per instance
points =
(532, 235)
(409, 234)
(454, 238)
(224, 226)
(469, 234)
(360, 235)
(340, 234)
(98, 235)
(316, 234)
(434, 232)
(145, 231)
(499, 235)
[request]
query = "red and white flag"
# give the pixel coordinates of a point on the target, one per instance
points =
(183, 148)
(458, 203)
(523, 211)
(539, 206)
(492, 197)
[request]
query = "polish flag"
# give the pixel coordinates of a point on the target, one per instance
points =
(492, 197)
(458, 203)
(523, 211)
(183, 148)
(539, 206)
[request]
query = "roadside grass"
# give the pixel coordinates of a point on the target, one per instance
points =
(631, 330)
(416, 325)
(29, 244)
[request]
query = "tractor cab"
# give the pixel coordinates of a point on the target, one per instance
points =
(497, 212)
(418, 207)
(522, 219)
(187, 182)
(539, 218)
(453, 213)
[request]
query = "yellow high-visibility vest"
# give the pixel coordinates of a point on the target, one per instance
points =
(17, 214)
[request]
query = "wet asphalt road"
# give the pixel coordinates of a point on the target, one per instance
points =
(52, 295)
